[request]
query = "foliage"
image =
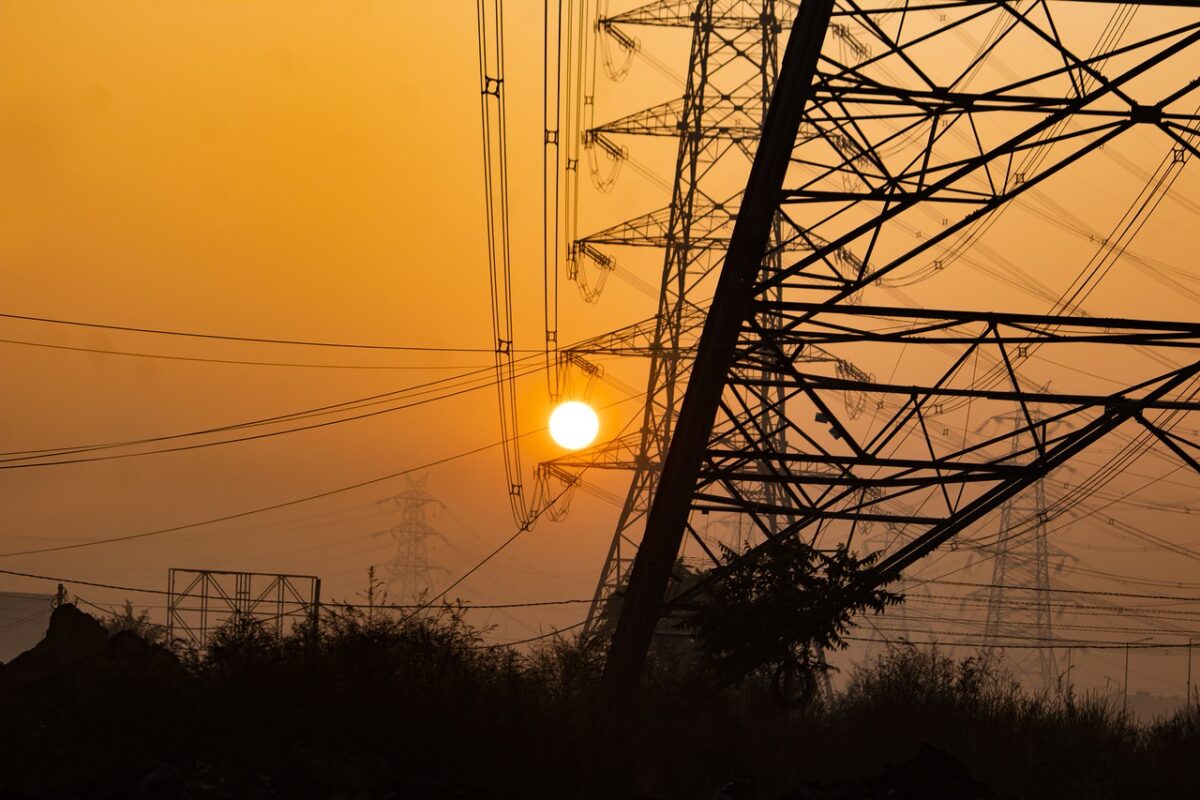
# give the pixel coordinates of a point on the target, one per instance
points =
(1067, 746)
(379, 701)
(772, 606)
(568, 669)
(136, 622)
(921, 677)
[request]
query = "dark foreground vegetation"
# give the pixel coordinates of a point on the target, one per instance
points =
(372, 706)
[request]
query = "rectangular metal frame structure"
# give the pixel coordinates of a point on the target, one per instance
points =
(201, 601)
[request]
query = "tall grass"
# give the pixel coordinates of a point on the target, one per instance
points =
(1049, 744)
(374, 703)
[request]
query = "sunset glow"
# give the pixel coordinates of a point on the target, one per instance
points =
(574, 425)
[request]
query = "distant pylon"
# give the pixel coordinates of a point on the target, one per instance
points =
(900, 625)
(409, 573)
(1018, 600)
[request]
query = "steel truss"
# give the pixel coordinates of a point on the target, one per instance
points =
(731, 73)
(1022, 561)
(409, 573)
(201, 601)
(856, 156)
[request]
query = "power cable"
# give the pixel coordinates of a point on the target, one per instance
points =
(273, 506)
(251, 339)
(361, 402)
(555, 632)
(1134, 595)
(470, 606)
(240, 362)
(1044, 644)
(73, 582)
(141, 590)
(247, 339)
(253, 437)
(250, 512)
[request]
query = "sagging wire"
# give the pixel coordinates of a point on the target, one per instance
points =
(567, 97)
(490, 28)
(551, 125)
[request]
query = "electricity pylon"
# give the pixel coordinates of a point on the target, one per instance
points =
(732, 66)
(409, 573)
(965, 108)
(1018, 600)
(731, 72)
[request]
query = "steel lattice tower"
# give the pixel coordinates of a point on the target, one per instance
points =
(1018, 600)
(409, 573)
(855, 159)
(731, 72)
(1021, 575)
(732, 66)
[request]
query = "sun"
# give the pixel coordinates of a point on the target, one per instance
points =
(574, 425)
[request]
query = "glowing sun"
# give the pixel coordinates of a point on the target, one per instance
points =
(574, 425)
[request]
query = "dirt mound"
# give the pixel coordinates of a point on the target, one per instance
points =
(931, 773)
(72, 637)
(78, 652)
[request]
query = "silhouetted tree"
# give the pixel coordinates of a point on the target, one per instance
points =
(772, 607)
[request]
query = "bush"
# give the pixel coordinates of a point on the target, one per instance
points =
(380, 701)
(136, 622)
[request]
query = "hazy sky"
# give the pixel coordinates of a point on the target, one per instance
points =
(312, 170)
(286, 170)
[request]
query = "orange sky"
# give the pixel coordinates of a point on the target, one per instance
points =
(295, 170)
(306, 170)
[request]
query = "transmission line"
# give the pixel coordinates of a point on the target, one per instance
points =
(6, 463)
(277, 506)
(249, 339)
(238, 362)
